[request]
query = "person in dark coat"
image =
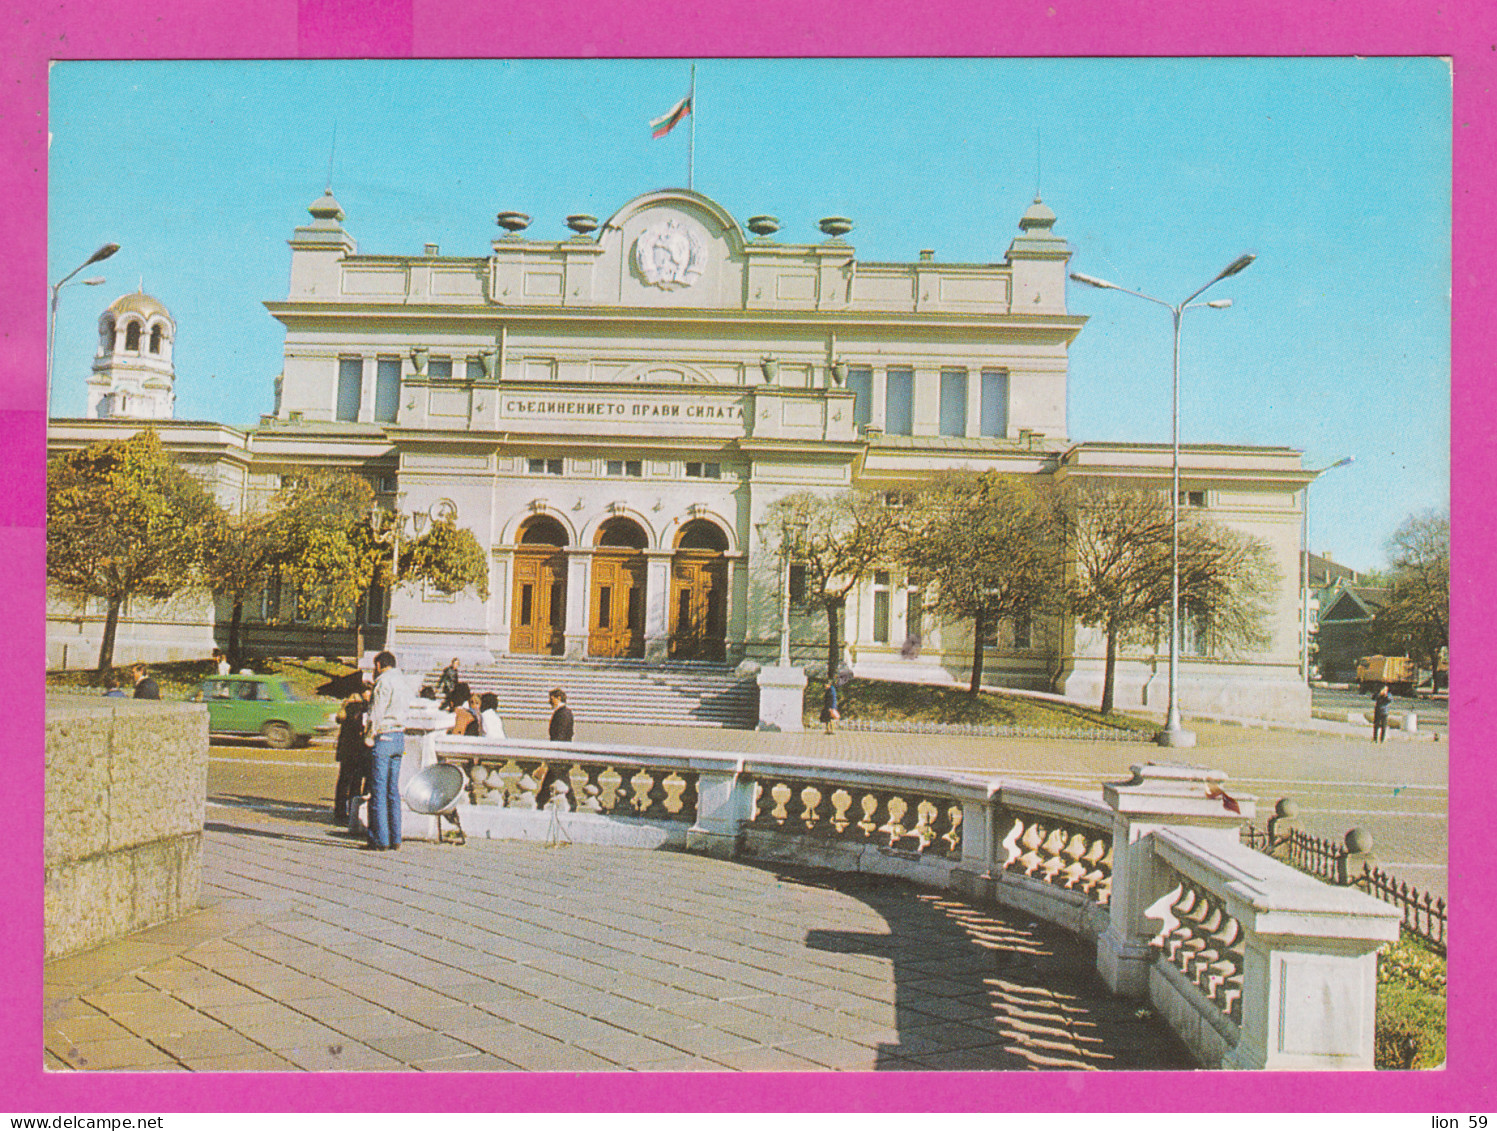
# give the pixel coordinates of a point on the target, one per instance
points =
(1380, 705)
(353, 754)
(448, 681)
(145, 686)
(829, 712)
(561, 717)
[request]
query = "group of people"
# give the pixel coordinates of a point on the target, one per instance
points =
(371, 739)
(145, 686)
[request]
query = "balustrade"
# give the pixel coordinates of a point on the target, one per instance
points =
(909, 820)
(608, 788)
(1202, 941)
(1068, 855)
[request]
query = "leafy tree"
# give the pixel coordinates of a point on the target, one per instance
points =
(239, 555)
(1416, 620)
(981, 545)
(124, 520)
(837, 538)
(1117, 547)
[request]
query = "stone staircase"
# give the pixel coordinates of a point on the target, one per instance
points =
(616, 691)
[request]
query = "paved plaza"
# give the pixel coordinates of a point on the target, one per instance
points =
(502, 956)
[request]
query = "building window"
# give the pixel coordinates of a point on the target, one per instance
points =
(132, 336)
(1192, 498)
(474, 370)
(631, 468)
(899, 402)
(155, 339)
(798, 584)
(1023, 627)
(914, 615)
(994, 403)
(440, 369)
(704, 470)
(953, 402)
(387, 390)
(881, 606)
(860, 381)
(350, 387)
(544, 466)
(387, 484)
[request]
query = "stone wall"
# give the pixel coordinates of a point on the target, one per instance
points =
(126, 791)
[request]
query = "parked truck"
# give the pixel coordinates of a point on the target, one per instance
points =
(1398, 672)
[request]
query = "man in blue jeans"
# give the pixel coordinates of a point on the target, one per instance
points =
(386, 737)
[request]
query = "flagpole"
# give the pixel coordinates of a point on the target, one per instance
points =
(691, 152)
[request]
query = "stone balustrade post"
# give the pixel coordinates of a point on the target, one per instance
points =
(1358, 856)
(1158, 796)
(1281, 828)
(725, 802)
(1309, 985)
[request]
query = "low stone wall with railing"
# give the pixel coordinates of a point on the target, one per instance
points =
(1252, 963)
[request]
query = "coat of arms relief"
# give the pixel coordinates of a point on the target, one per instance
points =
(670, 254)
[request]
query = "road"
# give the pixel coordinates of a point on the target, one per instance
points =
(1431, 712)
(1397, 791)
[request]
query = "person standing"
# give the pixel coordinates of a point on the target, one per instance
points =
(561, 717)
(448, 681)
(221, 662)
(493, 725)
(385, 738)
(353, 755)
(829, 712)
(145, 686)
(1380, 705)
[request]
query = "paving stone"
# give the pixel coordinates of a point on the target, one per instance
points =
(761, 1059)
(205, 1043)
(124, 1052)
(474, 1062)
(370, 1028)
(299, 1034)
(409, 1048)
(258, 1060)
(341, 1056)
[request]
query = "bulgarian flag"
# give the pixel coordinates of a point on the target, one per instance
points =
(668, 121)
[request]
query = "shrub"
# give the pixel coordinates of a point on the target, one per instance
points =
(1410, 1026)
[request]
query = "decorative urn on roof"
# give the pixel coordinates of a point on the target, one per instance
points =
(835, 226)
(513, 222)
(764, 226)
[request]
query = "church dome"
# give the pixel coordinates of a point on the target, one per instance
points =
(137, 303)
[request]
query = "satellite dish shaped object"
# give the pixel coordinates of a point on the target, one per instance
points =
(436, 789)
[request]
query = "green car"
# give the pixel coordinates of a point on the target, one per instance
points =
(263, 705)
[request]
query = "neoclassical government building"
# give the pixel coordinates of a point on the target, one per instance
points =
(614, 413)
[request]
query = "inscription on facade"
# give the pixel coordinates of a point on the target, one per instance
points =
(616, 410)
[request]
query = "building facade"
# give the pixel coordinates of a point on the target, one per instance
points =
(614, 415)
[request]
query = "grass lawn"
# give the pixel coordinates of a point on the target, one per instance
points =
(180, 678)
(889, 701)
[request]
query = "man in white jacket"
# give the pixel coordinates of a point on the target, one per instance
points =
(386, 738)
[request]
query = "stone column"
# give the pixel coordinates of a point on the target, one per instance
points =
(657, 605)
(724, 802)
(579, 596)
(1157, 796)
(973, 875)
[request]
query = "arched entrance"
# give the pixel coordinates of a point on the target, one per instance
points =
(699, 593)
(539, 618)
(616, 620)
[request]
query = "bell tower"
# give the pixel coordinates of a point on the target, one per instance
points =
(132, 371)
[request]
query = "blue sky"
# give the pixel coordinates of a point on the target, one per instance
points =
(1335, 172)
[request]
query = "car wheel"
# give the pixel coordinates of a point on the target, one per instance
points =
(278, 735)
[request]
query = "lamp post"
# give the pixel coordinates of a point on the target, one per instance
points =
(1173, 734)
(103, 253)
(394, 522)
(791, 537)
(1304, 537)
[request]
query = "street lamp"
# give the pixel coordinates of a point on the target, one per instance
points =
(1304, 537)
(394, 523)
(103, 253)
(791, 538)
(1173, 734)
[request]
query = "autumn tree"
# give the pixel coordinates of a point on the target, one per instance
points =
(1117, 575)
(1416, 619)
(980, 545)
(239, 555)
(124, 521)
(836, 538)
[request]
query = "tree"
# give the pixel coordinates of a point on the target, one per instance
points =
(836, 538)
(239, 556)
(1117, 548)
(981, 546)
(125, 521)
(1416, 620)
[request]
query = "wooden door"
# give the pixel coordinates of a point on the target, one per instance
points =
(616, 624)
(699, 607)
(539, 617)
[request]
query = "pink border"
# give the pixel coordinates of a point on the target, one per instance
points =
(94, 29)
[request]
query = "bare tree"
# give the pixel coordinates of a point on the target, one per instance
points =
(1416, 620)
(981, 547)
(837, 538)
(1117, 550)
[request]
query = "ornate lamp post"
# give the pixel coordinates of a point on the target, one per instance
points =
(103, 253)
(1173, 734)
(390, 526)
(790, 538)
